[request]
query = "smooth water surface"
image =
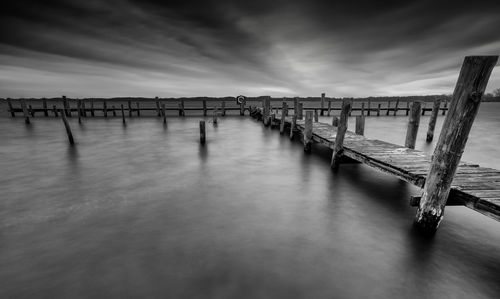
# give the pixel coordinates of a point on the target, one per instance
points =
(144, 210)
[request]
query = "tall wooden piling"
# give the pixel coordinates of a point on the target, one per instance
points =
(25, 111)
(164, 113)
(369, 107)
(11, 109)
(295, 105)
(158, 111)
(335, 121)
(66, 106)
(123, 113)
(388, 107)
(45, 110)
(79, 111)
(360, 124)
(242, 107)
(322, 103)
(129, 106)
(396, 107)
(214, 116)
(114, 110)
(67, 127)
(181, 109)
(267, 111)
(378, 109)
(84, 110)
(31, 111)
(329, 108)
(308, 131)
(92, 112)
(138, 109)
(300, 111)
(223, 108)
(432, 121)
(202, 132)
(105, 108)
(316, 117)
(204, 107)
(283, 118)
(413, 124)
(54, 110)
(293, 125)
(338, 147)
(464, 105)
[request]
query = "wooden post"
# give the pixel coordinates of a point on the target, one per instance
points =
(158, 112)
(300, 110)
(66, 125)
(84, 110)
(322, 103)
(308, 127)
(204, 107)
(202, 132)
(338, 147)
(369, 107)
(396, 107)
(54, 109)
(45, 111)
(92, 113)
(267, 111)
(105, 108)
(335, 121)
(407, 107)
(67, 108)
(432, 121)
(11, 109)
(214, 116)
(283, 118)
(164, 113)
(378, 109)
(273, 118)
(181, 108)
(329, 107)
(388, 107)
(363, 109)
(25, 111)
(129, 105)
(295, 106)
(79, 111)
(31, 111)
(114, 110)
(242, 107)
(293, 125)
(360, 125)
(123, 113)
(223, 108)
(464, 105)
(316, 118)
(413, 123)
(138, 109)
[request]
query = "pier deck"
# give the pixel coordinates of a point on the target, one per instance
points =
(475, 187)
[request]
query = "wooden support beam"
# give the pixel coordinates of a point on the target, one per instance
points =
(66, 126)
(308, 131)
(11, 109)
(45, 110)
(293, 125)
(202, 132)
(204, 107)
(335, 121)
(138, 109)
(432, 121)
(396, 107)
(283, 117)
(360, 124)
(25, 111)
(464, 106)
(164, 113)
(79, 111)
(338, 147)
(300, 111)
(123, 113)
(114, 110)
(322, 103)
(413, 124)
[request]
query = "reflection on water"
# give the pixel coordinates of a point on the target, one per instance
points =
(144, 210)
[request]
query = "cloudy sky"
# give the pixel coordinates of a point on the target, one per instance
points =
(97, 48)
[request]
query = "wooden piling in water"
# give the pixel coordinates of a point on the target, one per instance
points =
(67, 127)
(338, 147)
(223, 108)
(329, 107)
(283, 117)
(78, 110)
(300, 111)
(164, 113)
(293, 125)
(129, 106)
(66, 106)
(105, 108)
(413, 124)
(92, 112)
(54, 110)
(202, 132)
(308, 127)
(114, 110)
(11, 109)
(378, 109)
(157, 102)
(388, 108)
(25, 111)
(84, 109)
(316, 117)
(214, 116)
(267, 111)
(138, 109)
(295, 105)
(123, 113)
(31, 111)
(182, 112)
(396, 107)
(432, 121)
(322, 103)
(45, 110)
(204, 107)
(369, 107)
(464, 105)
(335, 121)
(360, 124)
(242, 107)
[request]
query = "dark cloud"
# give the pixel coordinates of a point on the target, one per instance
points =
(347, 48)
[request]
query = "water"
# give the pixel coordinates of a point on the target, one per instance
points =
(143, 210)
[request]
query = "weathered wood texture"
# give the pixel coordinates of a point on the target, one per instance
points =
(360, 124)
(67, 127)
(202, 132)
(338, 146)
(432, 120)
(472, 81)
(308, 127)
(413, 124)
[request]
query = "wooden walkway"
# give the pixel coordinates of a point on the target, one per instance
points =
(473, 186)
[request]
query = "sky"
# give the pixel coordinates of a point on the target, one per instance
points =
(150, 48)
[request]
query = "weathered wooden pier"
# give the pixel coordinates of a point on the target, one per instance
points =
(444, 179)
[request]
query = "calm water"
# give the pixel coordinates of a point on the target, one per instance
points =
(145, 211)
